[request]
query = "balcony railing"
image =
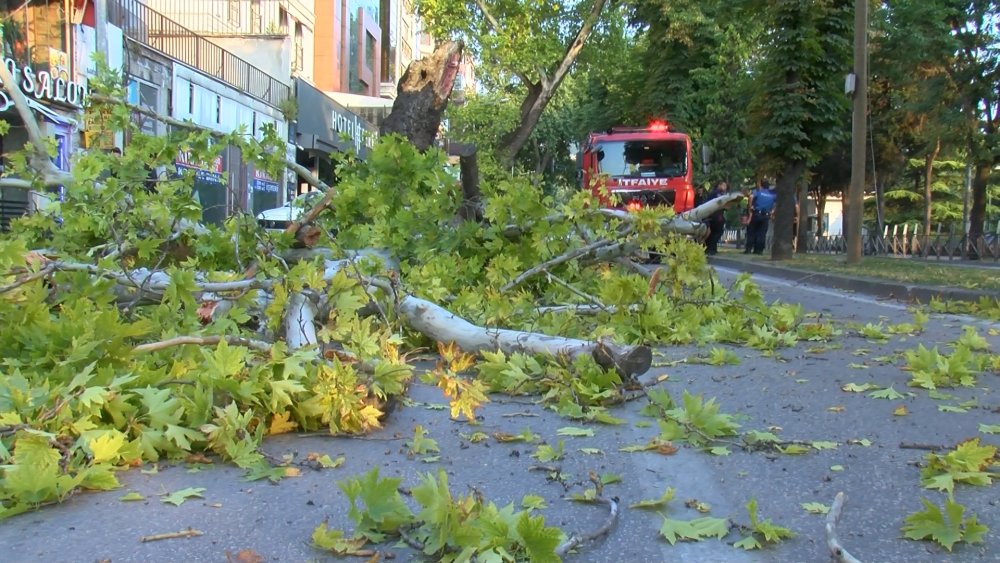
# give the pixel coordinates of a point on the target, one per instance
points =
(227, 17)
(149, 27)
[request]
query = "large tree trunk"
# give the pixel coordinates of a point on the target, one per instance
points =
(928, 182)
(784, 212)
(977, 213)
(442, 325)
(541, 92)
(802, 211)
(422, 96)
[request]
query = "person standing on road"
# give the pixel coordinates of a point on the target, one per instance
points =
(761, 206)
(716, 221)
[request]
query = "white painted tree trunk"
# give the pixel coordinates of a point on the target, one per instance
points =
(442, 325)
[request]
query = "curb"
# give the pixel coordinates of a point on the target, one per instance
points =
(886, 290)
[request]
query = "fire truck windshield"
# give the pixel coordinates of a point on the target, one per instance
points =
(642, 159)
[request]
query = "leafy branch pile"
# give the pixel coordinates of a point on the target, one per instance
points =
(135, 332)
(446, 527)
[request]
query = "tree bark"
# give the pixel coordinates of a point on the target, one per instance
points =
(784, 212)
(801, 210)
(541, 92)
(928, 182)
(442, 325)
(422, 96)
(977, 212)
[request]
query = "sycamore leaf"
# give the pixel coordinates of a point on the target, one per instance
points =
(546, 453)
(610, 478)
(177, 498)
(901, 410)
(421, 444)
(539, 540)
(888, 393)
(859, 387)
(695, 530)
(591, 451)
(863, 442)
(824, 445)
(815, 507)
(952, 408)
(989, 428)
(666, 497)
(575, 431)
(793, 449)
(107, 446)
(947, 528)
(280, 423)
(748, 543)
(533, 502)
(335, 541)
(132, 496)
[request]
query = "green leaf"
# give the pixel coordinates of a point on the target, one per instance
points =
(574, 431)
(989, 428)
(666, 497)
(591, 451)
(533, 502)
(889, 393)
(132, 496)
(946, 528)
(793, 449)
(177, 498)
(546, 453)
(823, 445)
(815, 507)
(695, 530)
(539, 540)
(859, 387)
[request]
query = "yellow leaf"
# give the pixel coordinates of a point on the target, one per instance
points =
(663, 377)
(369, 417)
(280, 424)
(107, 446)
(293, 472)
(837, 408)
(900, 411)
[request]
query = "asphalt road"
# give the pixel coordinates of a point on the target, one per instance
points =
(791, 394)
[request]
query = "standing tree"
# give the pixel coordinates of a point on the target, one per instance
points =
(799, 108)
(520, 47)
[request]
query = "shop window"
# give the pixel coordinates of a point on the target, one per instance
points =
(34, 33)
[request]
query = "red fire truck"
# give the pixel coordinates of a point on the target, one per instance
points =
(636, 167)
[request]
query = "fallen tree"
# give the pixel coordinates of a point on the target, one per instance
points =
(142, 332)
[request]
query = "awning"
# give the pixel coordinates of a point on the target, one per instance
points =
(50, 115)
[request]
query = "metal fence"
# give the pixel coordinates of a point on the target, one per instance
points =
(898, 241)
(149, 27)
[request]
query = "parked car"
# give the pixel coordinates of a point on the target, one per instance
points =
(279, 218)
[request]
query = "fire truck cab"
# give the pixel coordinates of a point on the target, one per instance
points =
(635, 167)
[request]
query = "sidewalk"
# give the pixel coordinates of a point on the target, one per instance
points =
(910, 293)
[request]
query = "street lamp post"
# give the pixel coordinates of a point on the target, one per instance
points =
(856, 196)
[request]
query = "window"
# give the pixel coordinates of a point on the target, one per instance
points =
(282, 21)
(191, 97)
(234, 12)
(643, 159)
(256, 20)
(299, 56)
(218, 108)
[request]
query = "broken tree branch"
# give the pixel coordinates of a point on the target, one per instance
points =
(259, 345)
(576, 540)
(442, 325)
(837, 551)
(189, 533)
(40, 159)
(566, 257)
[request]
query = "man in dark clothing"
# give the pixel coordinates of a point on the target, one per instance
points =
(716, 221)
(762, 202)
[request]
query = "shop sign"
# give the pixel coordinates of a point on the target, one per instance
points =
(261, 182)
(352, 125)
(42, 86)
(203, 172)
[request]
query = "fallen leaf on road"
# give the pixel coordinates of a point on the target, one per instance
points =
(838, 408)
(244, 556)
(177, 498)
(133, 496)
(280, 424)
(901, 410)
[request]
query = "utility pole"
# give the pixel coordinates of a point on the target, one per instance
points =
(101, 27)
(856, 196)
